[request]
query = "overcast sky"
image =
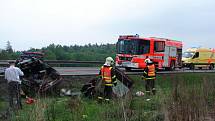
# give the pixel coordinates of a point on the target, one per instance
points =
(38, 23)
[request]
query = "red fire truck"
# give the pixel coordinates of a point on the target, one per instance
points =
(133, 50)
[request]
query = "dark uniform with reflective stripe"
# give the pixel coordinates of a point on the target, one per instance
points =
(109, 79)
(149, 76)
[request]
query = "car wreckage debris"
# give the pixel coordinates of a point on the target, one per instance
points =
(39, 77)
(94, 87)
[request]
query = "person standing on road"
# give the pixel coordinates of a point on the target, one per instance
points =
(12, 75)
(108, 76)
(149, 76)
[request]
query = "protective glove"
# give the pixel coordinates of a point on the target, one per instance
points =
(143, 77)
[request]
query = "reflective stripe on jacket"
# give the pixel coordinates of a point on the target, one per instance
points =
(151, 70)
(106, 75)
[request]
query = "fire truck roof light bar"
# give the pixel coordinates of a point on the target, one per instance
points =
(164, 39)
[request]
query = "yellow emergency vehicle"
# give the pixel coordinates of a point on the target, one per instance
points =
(199, 58)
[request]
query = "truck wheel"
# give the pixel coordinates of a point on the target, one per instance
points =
(172, 67)
(211, 67)
(192, 66)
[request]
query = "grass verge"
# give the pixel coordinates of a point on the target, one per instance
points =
(181, 97)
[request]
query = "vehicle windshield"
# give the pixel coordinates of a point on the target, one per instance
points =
(188, 54)
(135, 47)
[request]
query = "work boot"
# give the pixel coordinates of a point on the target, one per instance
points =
(148, 93)
(107, 100)
(153, 91)
(100, 99)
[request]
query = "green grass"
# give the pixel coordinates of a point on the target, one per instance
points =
(188, 91)
(3, 105)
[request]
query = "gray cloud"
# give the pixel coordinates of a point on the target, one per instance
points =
(33, 24)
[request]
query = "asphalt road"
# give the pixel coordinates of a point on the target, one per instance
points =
(95, 70)
(77, 70)
(84, 71)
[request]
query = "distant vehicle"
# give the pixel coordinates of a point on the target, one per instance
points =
(199, 57)
(133, 50)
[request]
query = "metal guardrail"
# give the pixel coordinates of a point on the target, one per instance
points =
(72, 62)
(5, 62)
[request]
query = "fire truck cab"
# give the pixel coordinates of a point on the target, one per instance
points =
(133, 50)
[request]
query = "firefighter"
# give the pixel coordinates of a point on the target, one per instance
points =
(107, 73)
(147, 59)
(149, 76)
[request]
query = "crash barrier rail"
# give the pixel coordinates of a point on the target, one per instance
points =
(5, 62)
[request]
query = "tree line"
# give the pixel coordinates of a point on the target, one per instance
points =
(89, 52)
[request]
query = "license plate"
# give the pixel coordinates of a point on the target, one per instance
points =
(126, 63)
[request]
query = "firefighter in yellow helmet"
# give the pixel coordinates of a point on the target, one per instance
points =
(149, 76)
(108, 76)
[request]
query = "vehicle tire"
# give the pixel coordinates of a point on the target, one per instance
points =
(211, 67)
(127, 68)
(172, 67)
(167, 68)
(192, 66)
